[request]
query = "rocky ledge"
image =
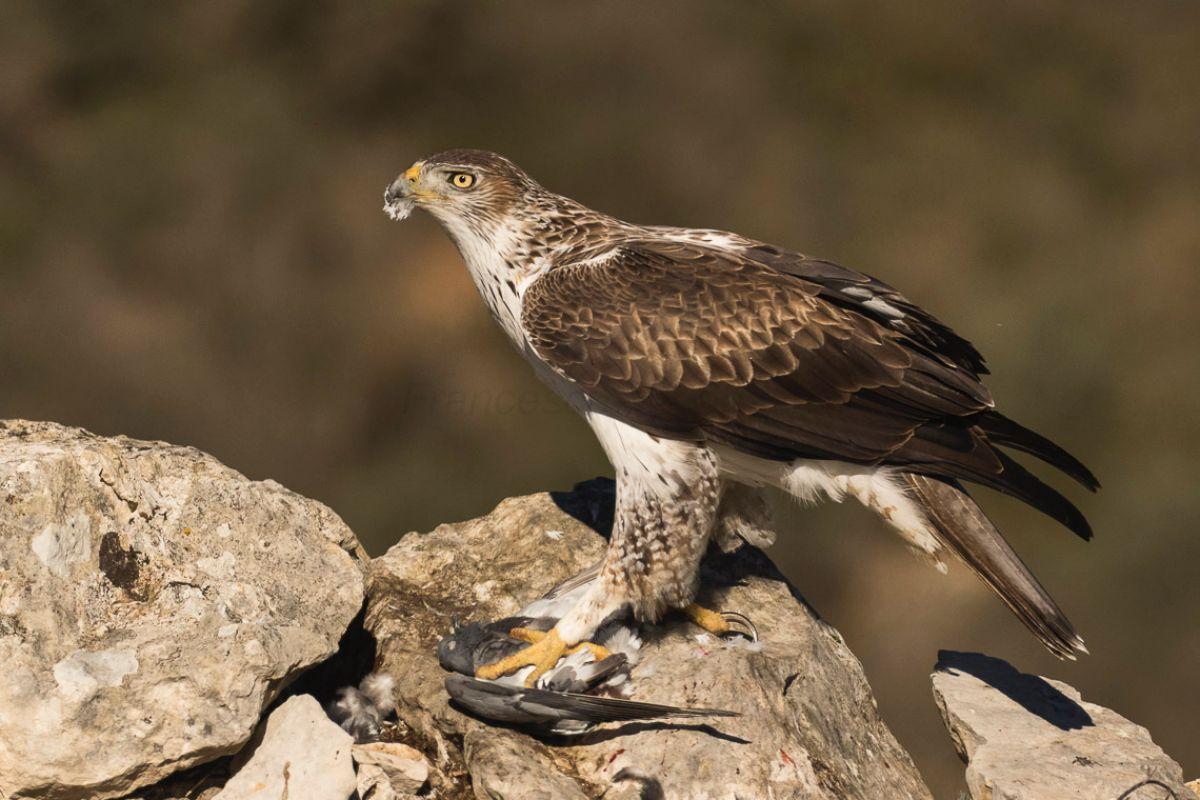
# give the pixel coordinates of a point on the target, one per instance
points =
(1025, 737)
(809, 726)
(152, 603)
(158, 609)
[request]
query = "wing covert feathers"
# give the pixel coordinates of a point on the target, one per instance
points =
(872, 297)
(783, 358)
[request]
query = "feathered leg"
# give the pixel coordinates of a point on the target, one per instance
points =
(667, 498)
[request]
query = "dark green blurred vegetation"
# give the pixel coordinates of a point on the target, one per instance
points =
(192, 249)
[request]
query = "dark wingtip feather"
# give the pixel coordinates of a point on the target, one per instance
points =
(1024, 485)
(1007, 433)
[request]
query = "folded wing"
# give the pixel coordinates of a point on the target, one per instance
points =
(689, 341)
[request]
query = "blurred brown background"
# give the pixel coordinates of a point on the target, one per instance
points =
(192, 249)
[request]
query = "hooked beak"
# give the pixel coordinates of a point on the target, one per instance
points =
(402, 194)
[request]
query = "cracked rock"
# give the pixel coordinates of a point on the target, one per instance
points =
(152, 603)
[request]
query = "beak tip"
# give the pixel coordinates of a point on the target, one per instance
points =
(394, 191)
(397, 200)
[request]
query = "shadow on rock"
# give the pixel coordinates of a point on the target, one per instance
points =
(1031, 692)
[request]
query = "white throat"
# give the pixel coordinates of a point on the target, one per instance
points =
(494, 266)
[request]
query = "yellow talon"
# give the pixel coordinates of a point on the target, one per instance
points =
(544, 651)
(599, 652)
(710, 620)
(541, 655)
(527, 635)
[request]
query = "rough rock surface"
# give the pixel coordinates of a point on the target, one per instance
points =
(1031, 738)
(389, 770)
(152, 603)
(300, 754)
(810, 727)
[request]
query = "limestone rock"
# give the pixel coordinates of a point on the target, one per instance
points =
(301, 755)
(404, 768)
(1030, 738)
(373, 783)
(809, 728)
(152, 603)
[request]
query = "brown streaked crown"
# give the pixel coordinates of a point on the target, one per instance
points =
(486, 162)
(499, 186)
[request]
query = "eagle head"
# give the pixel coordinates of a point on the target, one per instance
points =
(470, 192)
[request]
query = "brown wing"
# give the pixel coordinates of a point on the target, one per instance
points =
(920, 330)
(692, 342)
(871, 297)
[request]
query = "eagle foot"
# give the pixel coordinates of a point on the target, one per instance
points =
(721, 623)
(544, 651)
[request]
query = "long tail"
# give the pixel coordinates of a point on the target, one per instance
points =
(964, 528)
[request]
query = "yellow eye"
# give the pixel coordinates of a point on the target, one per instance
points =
(462, 180)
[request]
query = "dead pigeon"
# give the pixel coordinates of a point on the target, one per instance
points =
(575, 695)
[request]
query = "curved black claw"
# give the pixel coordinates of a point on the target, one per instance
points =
(740, 625)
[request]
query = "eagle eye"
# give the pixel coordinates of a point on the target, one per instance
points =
(462, 180)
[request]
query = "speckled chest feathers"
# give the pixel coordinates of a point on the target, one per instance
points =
(506, 254)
